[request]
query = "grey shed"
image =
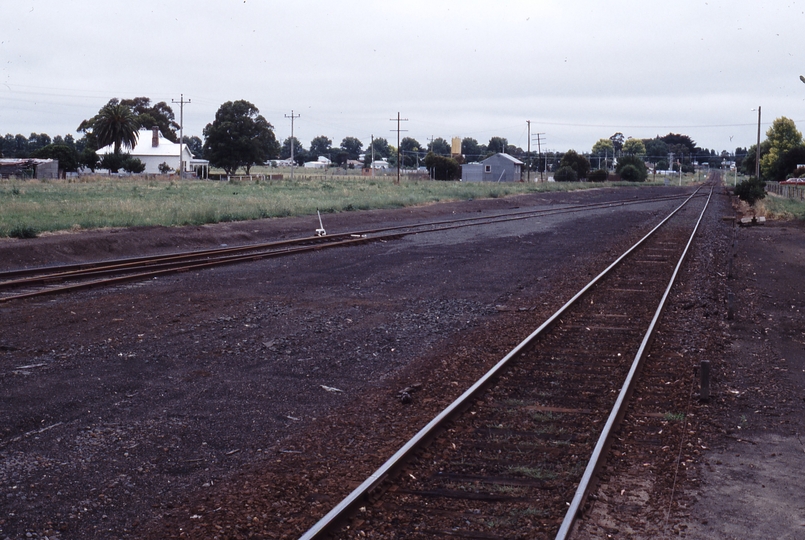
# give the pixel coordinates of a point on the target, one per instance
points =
(498, 168)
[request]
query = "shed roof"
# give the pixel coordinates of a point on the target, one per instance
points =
(506, 156)
(145, 147)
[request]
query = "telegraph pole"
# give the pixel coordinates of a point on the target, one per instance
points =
(292, 117)
(539, 152)
(528, 168)
(399, 154)
(181, 103)
(372, 163)
(757, 148)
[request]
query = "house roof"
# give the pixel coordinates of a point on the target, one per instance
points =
(506, 156)
(145, 147)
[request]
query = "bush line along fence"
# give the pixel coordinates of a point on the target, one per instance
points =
(786, 190)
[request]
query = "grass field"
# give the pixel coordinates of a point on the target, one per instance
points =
(28, 208)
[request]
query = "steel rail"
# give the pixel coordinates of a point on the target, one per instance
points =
(167, 264)
(82, 269)
(332, 519)
(619, 409)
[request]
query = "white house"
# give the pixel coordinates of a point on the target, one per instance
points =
(321, 163)
(153, 149)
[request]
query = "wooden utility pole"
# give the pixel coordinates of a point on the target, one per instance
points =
(292, 117)
(399, 153)
(181, 103)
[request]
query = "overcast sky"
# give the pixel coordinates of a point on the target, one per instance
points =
(579, 70)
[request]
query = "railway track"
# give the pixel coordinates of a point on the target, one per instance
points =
(517, 454)
(34, 282)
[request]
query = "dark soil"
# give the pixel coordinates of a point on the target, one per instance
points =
(249, 399)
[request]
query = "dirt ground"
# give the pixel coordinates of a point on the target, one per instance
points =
(231, 401)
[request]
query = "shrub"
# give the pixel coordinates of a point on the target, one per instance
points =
(444, 168)
(751, 190)
(640, 172)
(630, 173)
(23, 231)
(565, 174)
(598, 175)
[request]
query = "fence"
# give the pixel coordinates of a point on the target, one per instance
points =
(789, 191)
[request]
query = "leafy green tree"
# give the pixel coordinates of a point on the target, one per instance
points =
(382, 149)
(114, 124)
(299, 152)
(69, 160)
(441, 167)
(637, 171)
(195, 145)
(239, 137)
(677, 139)
(471, 150)
(577, 162)
(789, 162)
(440, 147)
(656, 149)
(617, 141)
(409, 148)
(603, 147)
(783, 136)
(320, 146)
(598, 175)
(565, 173)
(133, 165)
(496, 144)
(89, 159)
(158, 115)
(37, 141)
(751, 190)
(633, 147)
(352, 146)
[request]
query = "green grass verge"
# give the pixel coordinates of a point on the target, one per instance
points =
(31, 207)
(779, 208)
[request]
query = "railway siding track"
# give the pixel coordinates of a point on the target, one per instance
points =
(512, 457)
(32, 282)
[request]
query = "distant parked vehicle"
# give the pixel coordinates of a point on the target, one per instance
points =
(795, 181)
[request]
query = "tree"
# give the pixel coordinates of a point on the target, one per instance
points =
(656, 149)
(146, 116)
(320, 146)
(442, 168)
(382, 149)
(677, 139)
(565, 173)
(299, 152)
(440, 147)
(352, 146)
(195, 145)
(114, 124)
(783, 136)
(409, 148)
(471, 150)
(158, 115)
(636, 171)
(239, 137)
(69, 160)
(633, 147)
(603, 147)
(496, 144)
(617, 141)
(751, 190)
(577, 162)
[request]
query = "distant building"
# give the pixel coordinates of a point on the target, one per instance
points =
(498, 168)
(159, 151)
(321, 163)
(29, 168)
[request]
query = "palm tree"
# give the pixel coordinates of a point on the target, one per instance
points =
(116, 124)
